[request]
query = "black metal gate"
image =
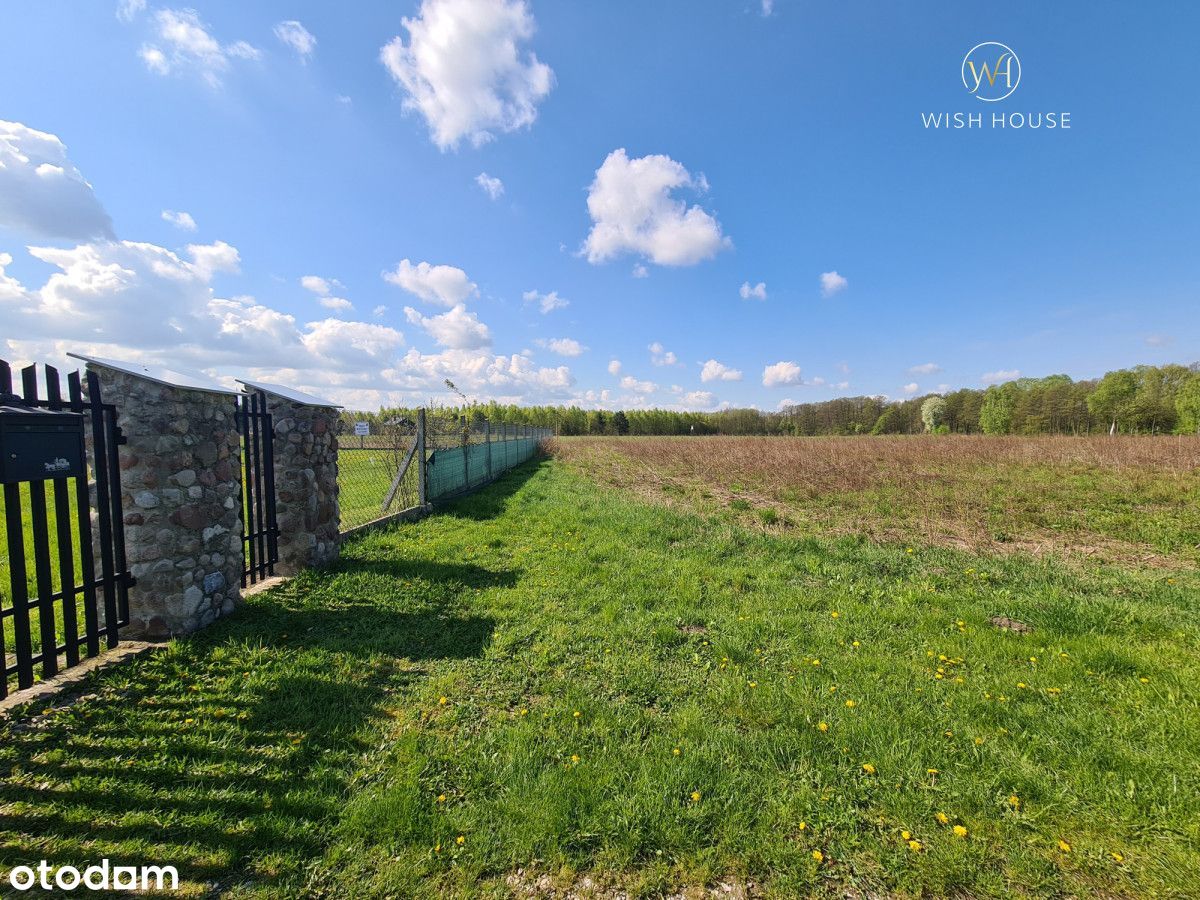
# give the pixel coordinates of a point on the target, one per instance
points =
(54, 576)
(261, 533)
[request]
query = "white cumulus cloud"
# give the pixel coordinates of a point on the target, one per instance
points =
(661, 356)
(614, 367)
(456, 329)
(446, 285)
(41, 193)
(781, 373)
(464, 70)
(630, 383)
(715, 371)
(633, 210)
(493, 187)
(757, 292)
(215, 257)
(545, 302)
(180, 220)
(562, 346)
(1000, 375)
(184, 44)
(911, 388)
(296, 36)
(928, 368)
(832, 283)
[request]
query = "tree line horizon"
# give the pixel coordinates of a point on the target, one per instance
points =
(1142, 400)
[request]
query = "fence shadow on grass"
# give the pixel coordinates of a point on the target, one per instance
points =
(228, 756)
(490, 502)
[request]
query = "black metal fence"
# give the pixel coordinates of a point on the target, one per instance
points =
(261, 534)
(67, 583)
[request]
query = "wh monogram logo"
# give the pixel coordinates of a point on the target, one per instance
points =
(991, 71)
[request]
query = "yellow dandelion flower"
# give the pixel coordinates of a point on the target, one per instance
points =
(959, 831)
(855, 644)
(1144, 680)
(752, 684)
(1021, 685)
(676, 752)
(931, 771)
(1014, 801)
(1117, 856)
(575, 757)
(577, 714)
(822, 726)
(803, 825)
(1064, 846)
(695, 796)
(460, 840)
(909, 550)
(816, 662)
(914, 846)
(834, 614)
(442, 701)
(441, 798)
(906, 835)
(850, 704)
(818, 856)
(868, 768)
(942, 818)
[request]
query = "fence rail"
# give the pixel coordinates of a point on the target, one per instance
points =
(59, 570)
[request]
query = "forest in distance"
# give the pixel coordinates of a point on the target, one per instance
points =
(1141, 400)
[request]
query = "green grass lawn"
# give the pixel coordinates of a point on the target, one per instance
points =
(364, 478)
(552, 677)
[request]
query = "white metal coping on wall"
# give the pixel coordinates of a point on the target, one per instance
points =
(287, 393)
(160, 375)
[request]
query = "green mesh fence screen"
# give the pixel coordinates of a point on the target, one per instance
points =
(456, 470)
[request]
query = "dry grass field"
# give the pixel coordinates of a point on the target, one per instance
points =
(1127, 499)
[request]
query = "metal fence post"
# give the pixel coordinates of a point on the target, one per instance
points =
(422, 499)
(487, 437)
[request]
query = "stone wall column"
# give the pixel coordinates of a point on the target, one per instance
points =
(306, 482)
(180, 490)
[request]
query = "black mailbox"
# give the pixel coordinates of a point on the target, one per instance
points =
(36, 444)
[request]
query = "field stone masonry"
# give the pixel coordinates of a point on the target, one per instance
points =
(180, 490)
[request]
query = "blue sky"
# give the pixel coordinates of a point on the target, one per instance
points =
(734, 145)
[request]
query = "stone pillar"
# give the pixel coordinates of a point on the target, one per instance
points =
(306, 478)
(180, 490)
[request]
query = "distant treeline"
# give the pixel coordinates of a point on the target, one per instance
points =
(1142, 400)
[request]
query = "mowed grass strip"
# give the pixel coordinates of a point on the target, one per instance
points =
(554, 678)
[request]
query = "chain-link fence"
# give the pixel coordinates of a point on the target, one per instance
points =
(466, 452)
(460, 453)
(367, 468)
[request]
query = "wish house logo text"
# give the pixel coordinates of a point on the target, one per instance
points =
(991, 72)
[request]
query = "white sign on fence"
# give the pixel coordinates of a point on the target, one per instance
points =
(362, 429)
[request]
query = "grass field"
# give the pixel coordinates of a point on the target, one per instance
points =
(552, 681)
(1129, 500)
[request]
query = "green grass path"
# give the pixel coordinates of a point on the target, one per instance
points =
(551, 677)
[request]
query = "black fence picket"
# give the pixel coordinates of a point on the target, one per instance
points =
(54, 557)
(261, 534)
